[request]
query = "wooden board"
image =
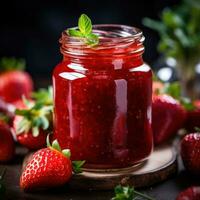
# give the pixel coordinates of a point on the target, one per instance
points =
(161, 165)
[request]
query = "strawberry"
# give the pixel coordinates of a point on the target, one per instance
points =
(193, 117)
(167, 117)
(32, 123)
(7, 147)
(190, 148)
(14, 82)
(192, 193)
(49, 167)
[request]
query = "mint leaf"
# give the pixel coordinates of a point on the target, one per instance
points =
(85, 31)
(75, 33)
(92, 39)
(128, 193)
(85, 24)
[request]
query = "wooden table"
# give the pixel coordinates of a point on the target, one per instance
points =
(167, 190)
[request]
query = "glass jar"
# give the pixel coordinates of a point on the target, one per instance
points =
(102, 99)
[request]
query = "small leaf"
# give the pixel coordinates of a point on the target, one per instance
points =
(67, 153)
(92, 39)
(55, 145)
(45, 122)
(35, 131)
(77, 166)
(197, 129)
(187, 104)
(48, 141)
(7, 64)
(85, 24)
(129, 193)
(173, 89)
(75, 33)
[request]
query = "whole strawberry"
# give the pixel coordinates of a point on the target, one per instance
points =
(7, 146)
(32, 124)
(49, 167)
(167, 117)
(192, 193)
(14, 82)
(190, 152)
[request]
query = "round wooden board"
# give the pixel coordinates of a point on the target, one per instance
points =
(161, 165)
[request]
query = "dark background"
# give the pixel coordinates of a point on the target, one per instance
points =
(31, 28)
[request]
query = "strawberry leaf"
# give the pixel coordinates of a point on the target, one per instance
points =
(8, 64)
(35, 131)
(77, 166)
(48, 141)
(67, 153)
(44, 96)
(55, 145)
(173, 89)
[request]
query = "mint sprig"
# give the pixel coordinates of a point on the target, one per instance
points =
(129, 193)
(85, 31)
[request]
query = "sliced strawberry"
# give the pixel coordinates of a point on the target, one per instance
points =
(190, 152)
(7, 147)
(191, 193)
(167, 117)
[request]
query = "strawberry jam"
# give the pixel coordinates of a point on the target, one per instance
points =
(102, 99)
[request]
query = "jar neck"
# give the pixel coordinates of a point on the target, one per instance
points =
(117, 44)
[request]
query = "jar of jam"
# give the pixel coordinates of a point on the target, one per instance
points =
(102, 99)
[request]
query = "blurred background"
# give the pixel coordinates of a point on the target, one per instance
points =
(31, 29)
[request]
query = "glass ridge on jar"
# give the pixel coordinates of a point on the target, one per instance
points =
(102, 98)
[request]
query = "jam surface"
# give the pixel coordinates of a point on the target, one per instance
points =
(103, 111)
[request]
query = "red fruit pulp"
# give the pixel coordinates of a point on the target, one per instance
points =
(103, 107)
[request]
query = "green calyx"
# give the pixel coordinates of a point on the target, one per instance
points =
(55, 145)
(9, 64)
(174, 90)
(84, 31)
(44, 96)
(5, 118)
(77, 165)
(129, 193)
(35, 117)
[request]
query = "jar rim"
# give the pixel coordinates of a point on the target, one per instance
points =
(109, 35)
